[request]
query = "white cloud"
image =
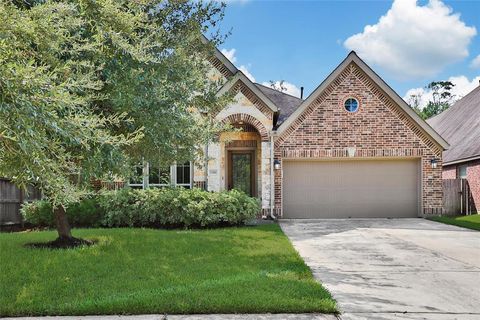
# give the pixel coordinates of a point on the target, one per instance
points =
(414, 41)
(247, 73)
(462, 87)
(476, 62)
(230, 55)
(291, 89)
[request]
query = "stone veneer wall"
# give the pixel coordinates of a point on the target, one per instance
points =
(379, 129)
(247, 108)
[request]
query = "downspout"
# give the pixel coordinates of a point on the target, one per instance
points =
(272, 179)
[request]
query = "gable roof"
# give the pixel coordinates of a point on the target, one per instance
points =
(352, 57)
(285, 102)
(239, 76)
(460, 126)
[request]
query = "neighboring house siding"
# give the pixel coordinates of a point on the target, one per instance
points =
(473, 178)
(379, 129)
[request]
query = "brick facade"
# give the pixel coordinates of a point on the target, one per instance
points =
(379, 129)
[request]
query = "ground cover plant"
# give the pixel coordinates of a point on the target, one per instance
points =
(470, 222)
(139, 271)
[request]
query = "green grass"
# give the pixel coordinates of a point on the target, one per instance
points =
(138, 271)
(470, 222)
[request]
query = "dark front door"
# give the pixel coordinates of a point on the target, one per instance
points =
(241, 171)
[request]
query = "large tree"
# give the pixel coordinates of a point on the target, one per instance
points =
(88, 87)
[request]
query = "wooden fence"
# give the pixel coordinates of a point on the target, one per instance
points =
(457, 197)
(11, 199)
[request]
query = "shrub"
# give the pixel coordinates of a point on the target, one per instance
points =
(38, 213)
(86, 213)
(168, 207)
(175, 207)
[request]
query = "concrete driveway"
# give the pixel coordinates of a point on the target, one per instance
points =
(393, 268)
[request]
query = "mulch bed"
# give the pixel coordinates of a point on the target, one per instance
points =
(61, 243)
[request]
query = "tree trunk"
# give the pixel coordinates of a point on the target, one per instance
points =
(63, 227)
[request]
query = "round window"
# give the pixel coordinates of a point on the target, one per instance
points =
(351, 105)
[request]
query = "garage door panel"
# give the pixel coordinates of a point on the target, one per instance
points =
(342, 189)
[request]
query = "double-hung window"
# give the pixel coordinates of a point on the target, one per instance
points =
(152, 176)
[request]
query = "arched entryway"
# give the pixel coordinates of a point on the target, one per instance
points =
(243, 158)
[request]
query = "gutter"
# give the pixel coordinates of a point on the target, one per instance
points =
(461, 160)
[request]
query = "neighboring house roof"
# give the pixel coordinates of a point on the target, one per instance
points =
(460, 126)
(286, 103)
(352, 57)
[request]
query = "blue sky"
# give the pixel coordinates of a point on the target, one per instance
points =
(301, 42)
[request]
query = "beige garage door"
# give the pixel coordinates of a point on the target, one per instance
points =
(351, 189)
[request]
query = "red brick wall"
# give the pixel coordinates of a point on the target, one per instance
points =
(473, 177)
(449, 172)
(379, 129)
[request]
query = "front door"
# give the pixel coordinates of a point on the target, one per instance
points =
(241, 171)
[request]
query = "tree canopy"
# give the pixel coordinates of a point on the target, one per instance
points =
(441, 99)
(88, 87)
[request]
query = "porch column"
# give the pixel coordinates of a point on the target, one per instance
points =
(214, 173)
(265, 176)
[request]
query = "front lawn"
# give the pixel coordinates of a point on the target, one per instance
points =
(470, 222)
(141, 271)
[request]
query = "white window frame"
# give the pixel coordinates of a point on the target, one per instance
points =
(158, 185)
(190, 183)
(173, 178)
(141, 184)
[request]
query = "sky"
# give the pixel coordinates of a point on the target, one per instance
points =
(408, 43)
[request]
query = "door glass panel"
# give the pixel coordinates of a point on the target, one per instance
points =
(241, 172)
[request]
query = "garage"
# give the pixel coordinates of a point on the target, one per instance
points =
(351, 189)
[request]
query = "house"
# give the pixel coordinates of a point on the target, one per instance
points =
(353, 148)
(460, 126)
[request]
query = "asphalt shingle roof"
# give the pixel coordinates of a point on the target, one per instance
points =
(286, 103)
(460, 126)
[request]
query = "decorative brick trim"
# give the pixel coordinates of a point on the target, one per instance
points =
(242, 117)
(365, 79)
(343, 153)
(314, 105)
(379, 94)
(239, 86)
(221, 67)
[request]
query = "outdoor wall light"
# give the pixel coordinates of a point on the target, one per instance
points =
(433, 162)
(276, 164)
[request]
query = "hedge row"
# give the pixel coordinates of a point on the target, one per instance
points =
(168, 207)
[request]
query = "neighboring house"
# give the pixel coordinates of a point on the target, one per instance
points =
(353, 148)
(460, 126)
